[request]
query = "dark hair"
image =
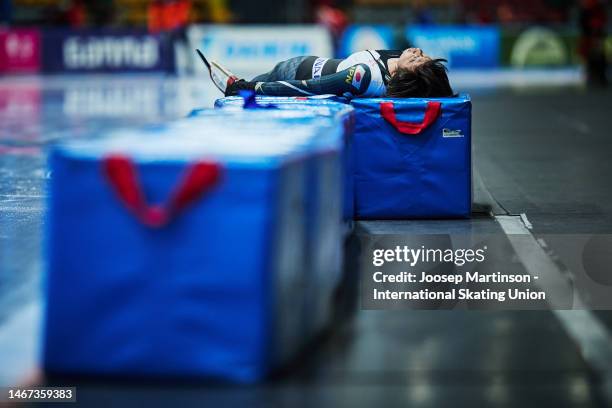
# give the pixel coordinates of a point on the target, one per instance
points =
(426, 80)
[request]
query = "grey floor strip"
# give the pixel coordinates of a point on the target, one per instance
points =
(588, 333)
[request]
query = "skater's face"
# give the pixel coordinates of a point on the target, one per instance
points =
(412, 58)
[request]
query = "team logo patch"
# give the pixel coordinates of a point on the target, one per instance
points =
(451, 133)
(358, 77)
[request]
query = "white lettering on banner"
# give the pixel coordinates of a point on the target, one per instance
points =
(111, 52)
(113, 101)
(264, 50)
(18, 46)
(252, 50)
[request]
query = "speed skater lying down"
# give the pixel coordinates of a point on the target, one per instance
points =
(370, 73)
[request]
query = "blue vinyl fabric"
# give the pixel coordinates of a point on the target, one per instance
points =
(323, 199)
(218, 292)
(324, 105)
(400, 176)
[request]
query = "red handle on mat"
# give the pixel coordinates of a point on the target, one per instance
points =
(432, 111)
(123, 177)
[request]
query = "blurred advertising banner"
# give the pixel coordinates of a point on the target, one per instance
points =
(256, 49)
(539, 47)
(105, 50)
(20, 108)
(19, 99)
(462, 46)
(366, 37)
(19, 50)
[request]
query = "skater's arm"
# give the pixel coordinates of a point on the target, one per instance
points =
(353, 81)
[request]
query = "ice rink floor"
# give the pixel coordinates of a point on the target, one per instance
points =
(539, 151)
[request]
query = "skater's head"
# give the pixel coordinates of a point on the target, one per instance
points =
(417, 75)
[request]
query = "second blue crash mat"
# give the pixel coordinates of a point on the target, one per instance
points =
(326, 106)
(177, 255)
(412, 158)
(324, 176)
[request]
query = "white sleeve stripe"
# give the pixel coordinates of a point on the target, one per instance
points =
(295, 87)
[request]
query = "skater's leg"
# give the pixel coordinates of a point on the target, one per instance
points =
(283, 71)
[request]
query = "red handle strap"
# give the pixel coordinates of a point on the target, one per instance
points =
(432, 111)
(123, 177)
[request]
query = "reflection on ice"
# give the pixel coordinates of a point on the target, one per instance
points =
(37, 109)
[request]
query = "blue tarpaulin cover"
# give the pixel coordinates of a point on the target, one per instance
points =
(412, 158)
(176, 256)
(323, 225)
(323, 105)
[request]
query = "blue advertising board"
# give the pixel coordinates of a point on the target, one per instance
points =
(359, 37)
(461, 46)
(105, 50)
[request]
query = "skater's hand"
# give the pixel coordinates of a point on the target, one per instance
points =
(237, 86)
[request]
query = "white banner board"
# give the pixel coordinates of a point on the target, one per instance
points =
(251, 50)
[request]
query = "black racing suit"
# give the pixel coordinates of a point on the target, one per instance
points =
(311, 75)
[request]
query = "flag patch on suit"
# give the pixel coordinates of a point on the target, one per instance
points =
(358, 77)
